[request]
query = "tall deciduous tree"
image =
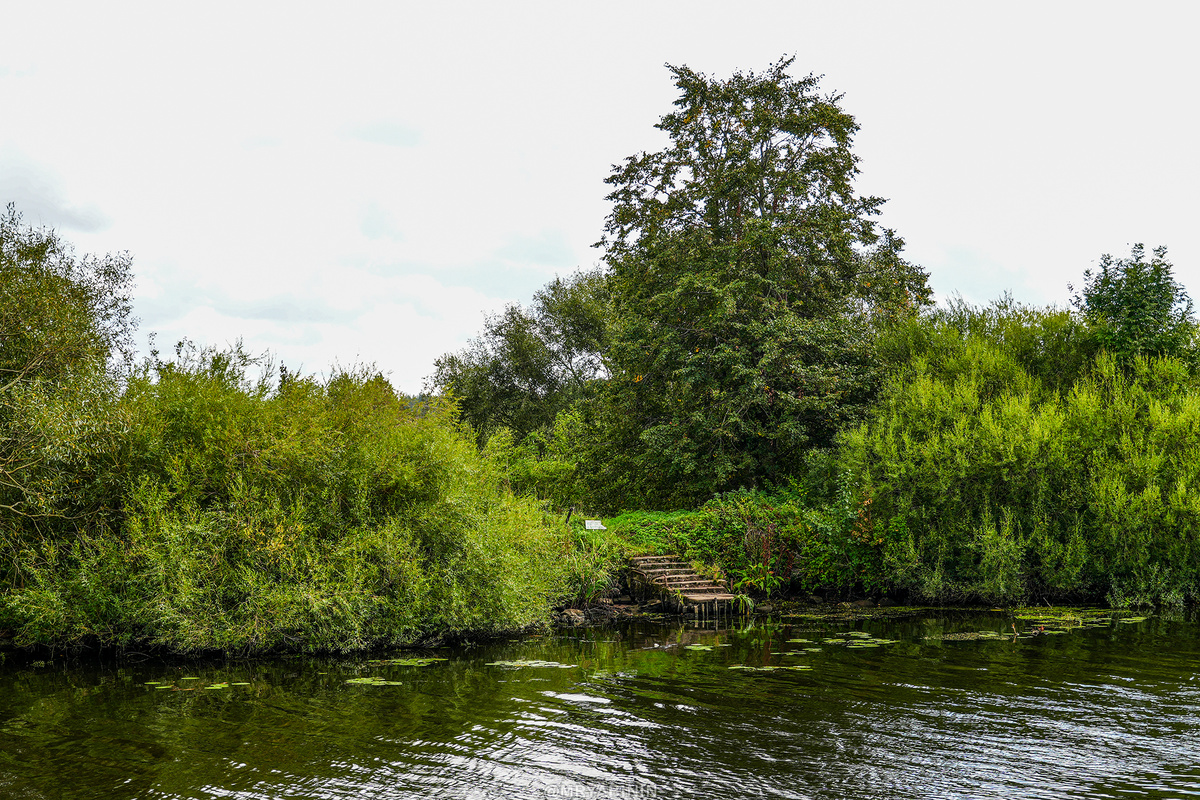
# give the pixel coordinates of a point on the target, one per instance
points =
(528, 365)
(746, 273)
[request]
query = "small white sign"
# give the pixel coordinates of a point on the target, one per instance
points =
(593, 525)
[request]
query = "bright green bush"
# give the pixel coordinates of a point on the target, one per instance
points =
(990, 479)
(763, 541)
(326, 516)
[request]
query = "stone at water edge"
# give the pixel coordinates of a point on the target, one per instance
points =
(600, 613)
(888, 602)
(572, 616)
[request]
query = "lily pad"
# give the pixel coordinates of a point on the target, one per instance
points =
(373, 681)
(532, 663)
(217, 686)
(404, 662)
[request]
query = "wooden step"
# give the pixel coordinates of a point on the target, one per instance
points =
(686, 580)
(708, 598)
(676, 578)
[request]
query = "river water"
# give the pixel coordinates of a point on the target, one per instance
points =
(877, 708)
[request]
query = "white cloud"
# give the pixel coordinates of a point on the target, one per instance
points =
(369, 183)
(38, 194)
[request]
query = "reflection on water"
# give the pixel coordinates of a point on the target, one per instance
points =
(1111, 711)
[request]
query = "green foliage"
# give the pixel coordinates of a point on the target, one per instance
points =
(187, 505)
(529, 365)
(1136, 307)
(65, 324)
(763, 541)
(651, 531)
(992, 478)
(594, 562)
(543, 464)
(746, 275)
(1052, 345)
(59, 315)
(325, 516)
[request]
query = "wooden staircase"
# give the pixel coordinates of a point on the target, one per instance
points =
(675, 580)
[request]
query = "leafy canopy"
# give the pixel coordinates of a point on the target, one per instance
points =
(530, 364)
(1136, 307)
(746, 273)
(65, 325)
(58, 314)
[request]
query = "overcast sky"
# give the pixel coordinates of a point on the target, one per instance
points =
(364, 181)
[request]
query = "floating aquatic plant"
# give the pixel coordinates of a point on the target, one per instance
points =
(404, 662)
(856, 640)
(532, 663)
(373, 681)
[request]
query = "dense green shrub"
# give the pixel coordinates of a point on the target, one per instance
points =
(319, 516)
(990, 478)
(762, 540)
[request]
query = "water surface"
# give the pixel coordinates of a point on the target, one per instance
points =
(1105, 711)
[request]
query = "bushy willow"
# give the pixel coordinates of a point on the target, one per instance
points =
(324, 515)
(987, 481)
(65, 328)
(185, 505)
